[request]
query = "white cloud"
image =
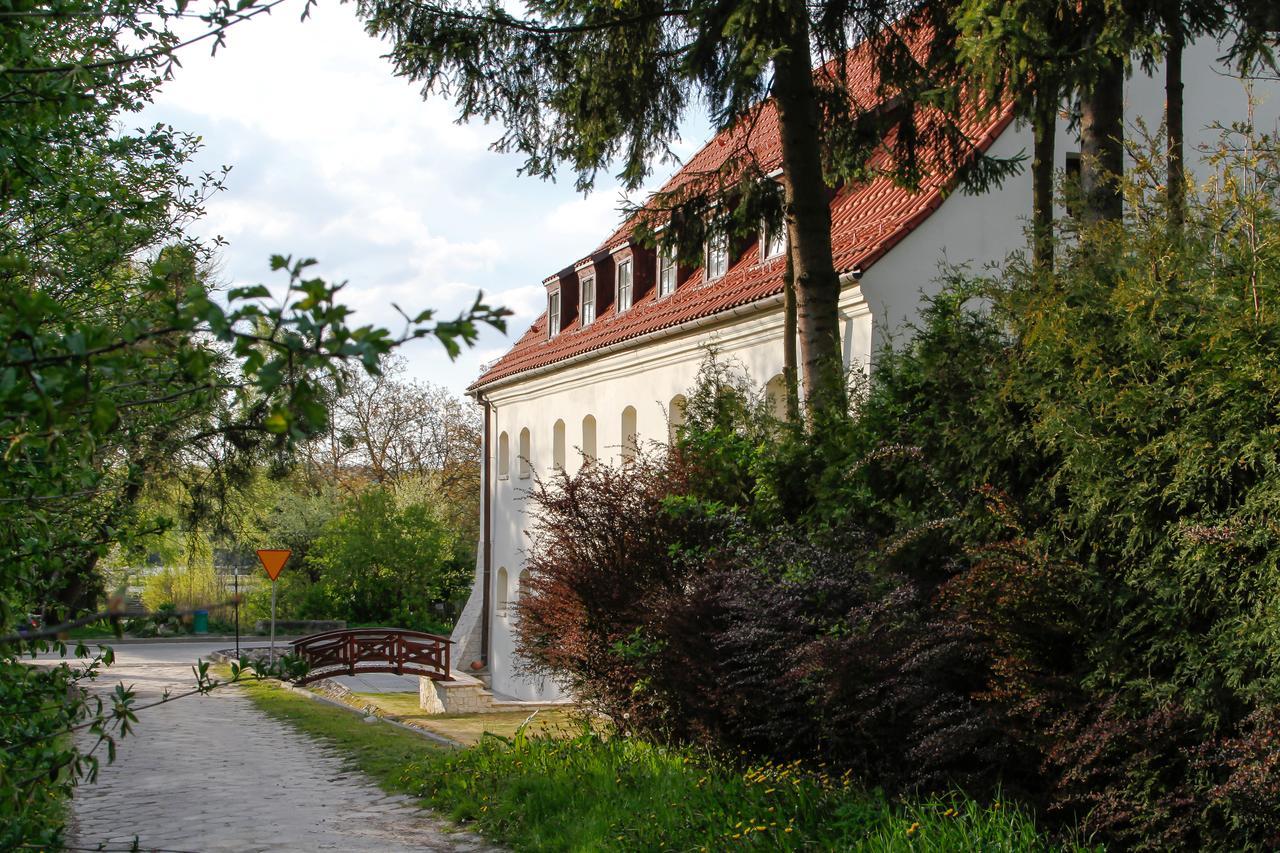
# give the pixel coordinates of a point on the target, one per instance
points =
(336, 158)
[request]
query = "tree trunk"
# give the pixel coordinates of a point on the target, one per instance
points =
(1044, 127)
(790, 375)
(1102, 144)
(808, 217)
(1177, 189)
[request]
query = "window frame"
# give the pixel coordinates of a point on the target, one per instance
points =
(666, 265)
(628, 265)
(553, 313)
(588, 300)
(718, 239)
(766, 237)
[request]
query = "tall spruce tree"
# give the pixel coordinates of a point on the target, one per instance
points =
(588, 83)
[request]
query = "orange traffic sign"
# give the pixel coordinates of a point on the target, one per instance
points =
(273, 560)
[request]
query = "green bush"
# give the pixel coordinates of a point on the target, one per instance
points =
(384, 561)
(1043, 551)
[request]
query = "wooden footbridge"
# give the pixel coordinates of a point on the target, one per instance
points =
(356, 650)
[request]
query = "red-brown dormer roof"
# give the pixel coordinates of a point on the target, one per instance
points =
(867, 220)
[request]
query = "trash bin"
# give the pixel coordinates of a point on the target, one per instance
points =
(201, 622)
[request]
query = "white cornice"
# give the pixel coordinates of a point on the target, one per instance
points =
(726, 330)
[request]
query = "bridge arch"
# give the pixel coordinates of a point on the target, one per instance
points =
(356, 650)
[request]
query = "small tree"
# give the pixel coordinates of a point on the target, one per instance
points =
(382, 560)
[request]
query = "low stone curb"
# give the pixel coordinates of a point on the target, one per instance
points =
(325, 690)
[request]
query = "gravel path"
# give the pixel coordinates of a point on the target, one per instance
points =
(212, 773)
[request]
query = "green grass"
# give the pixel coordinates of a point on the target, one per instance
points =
(592, 793)
(589, 793)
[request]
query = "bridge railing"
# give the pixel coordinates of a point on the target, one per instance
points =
(358, 650)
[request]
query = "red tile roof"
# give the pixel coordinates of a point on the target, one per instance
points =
(867, 220)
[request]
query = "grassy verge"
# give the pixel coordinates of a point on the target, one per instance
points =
(593, 793)
(588, 793)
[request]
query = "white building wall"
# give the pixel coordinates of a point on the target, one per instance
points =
(974, 230)
(647, 379)
(985, 229)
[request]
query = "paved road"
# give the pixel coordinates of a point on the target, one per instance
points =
(212, 773)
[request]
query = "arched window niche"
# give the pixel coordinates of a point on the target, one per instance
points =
(589, 439)
(504, 456)
(775, 391)
(675, 417)
(500, 593)
(526, 467)
(522, 588)
(557, 445)
(630, 437)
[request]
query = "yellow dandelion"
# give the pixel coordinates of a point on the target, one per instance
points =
(911, 830)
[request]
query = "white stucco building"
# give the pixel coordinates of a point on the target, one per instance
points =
(625, 331)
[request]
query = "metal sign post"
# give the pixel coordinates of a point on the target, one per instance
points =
(272, 659)
(237, 599)
(273, 560)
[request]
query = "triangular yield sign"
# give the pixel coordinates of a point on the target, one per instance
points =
(273, 560)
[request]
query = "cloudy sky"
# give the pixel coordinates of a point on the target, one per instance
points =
(334, 158)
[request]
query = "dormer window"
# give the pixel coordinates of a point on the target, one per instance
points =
(553, 314)
(717, 255)
(588, 301)
(625, 283)
(773, 241)
(666, 272)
